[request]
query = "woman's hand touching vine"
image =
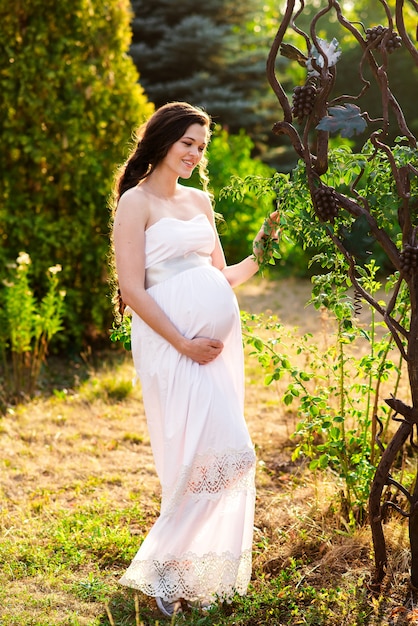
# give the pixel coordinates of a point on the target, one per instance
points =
(266, 236)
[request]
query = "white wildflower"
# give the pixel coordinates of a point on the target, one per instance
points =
(23, 259)
(55, 269)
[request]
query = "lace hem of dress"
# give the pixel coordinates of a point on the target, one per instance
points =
(211, 576)
(212, 475)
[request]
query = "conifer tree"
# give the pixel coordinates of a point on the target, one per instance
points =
(212, 54)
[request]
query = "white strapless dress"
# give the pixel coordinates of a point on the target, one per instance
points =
(200, 546)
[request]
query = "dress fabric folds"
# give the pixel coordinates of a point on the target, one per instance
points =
(200, 546)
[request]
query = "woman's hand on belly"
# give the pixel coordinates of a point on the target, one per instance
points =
(202, 350)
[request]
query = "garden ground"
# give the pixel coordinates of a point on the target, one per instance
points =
(78, 491)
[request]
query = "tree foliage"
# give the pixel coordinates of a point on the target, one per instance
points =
(69, 94)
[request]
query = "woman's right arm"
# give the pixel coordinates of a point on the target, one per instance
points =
(129, 244)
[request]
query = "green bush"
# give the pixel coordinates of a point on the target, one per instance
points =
(70, 99)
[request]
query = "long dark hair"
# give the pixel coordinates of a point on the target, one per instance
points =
(154, 139)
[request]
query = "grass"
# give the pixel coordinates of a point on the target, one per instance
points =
(78, 492)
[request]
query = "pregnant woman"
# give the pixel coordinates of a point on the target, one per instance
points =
(187, 351)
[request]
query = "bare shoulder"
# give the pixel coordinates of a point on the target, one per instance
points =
(198, 194)
(200, 199)
(134, 197)
(133, 205)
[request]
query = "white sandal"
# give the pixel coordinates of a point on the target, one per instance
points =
(168, 608)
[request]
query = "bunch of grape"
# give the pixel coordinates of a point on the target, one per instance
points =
(303, 101)
(325, 203)
(378, 32)
(409, 259)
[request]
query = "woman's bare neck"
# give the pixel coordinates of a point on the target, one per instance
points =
(162, 189)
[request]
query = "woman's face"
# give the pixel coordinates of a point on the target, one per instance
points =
(183, 156)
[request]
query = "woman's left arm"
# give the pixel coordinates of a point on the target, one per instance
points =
(240, 272)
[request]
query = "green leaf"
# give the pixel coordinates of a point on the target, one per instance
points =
(335, 432)
(258, 344)
(304, 376)
(323, 461)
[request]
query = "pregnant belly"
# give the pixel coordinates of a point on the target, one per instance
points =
(214, 308)
(200, 302)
